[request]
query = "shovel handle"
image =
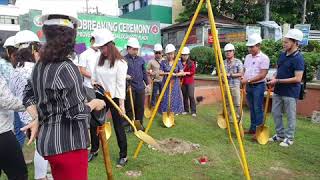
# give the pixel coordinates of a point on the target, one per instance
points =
(266, 106)
(107, 95)
(241, 102)
(131, 102)
(119, 110)
(106, 153)
(151, 93)
(169, 98)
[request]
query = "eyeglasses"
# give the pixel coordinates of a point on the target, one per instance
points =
(158, 52)
(250, 47)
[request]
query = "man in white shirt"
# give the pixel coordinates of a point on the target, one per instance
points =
(87, 61)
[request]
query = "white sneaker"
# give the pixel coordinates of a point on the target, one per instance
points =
(194, 115)
(276, 138)
(184, 113)
(286, 142)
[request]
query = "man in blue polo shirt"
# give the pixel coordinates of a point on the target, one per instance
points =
(139, 79)
(287, 87)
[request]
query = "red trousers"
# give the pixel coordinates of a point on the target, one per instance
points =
(71, 165)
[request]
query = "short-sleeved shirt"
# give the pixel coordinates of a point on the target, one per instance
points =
(154, 65)
(254, 64)
(235, 66)
(88, 60)
(287, 66)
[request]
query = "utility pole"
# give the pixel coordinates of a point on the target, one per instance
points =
(304, 12)
(266, 17)
(87, 7)
(267, 10)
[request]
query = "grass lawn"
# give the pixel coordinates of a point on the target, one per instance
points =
(300, 161)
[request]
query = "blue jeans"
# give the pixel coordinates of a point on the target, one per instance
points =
(255, 95)
(157, 87)
(17, 125)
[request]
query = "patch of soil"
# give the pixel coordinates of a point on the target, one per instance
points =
(279, 173)
(200, 176)
(173, 146)
(134, 173)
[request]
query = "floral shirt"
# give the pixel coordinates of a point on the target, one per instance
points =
(7, 102)
(5, 69)
(18, 80)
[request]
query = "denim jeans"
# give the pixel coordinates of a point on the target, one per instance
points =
(255, 95)
(17, 125)
(157, 87)
(281, 104)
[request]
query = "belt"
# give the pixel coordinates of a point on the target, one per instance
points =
(255, 84)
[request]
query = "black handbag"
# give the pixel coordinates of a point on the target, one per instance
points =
(98, 118)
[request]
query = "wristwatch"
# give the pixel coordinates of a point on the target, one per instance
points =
(249, 81)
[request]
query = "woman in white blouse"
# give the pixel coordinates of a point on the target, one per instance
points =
(110, 72)
(28, 45)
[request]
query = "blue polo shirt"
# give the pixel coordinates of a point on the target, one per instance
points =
(287, 66)
(136, 69)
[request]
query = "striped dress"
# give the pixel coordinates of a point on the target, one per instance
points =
(57, 90)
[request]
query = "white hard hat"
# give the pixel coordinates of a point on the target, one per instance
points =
(133, 42)
(102, 37)
(254, 39)
(25, 36)
(72, 15)
(157, 47)
(229, 47)
(185, 50)
(295, 34)
(170, 48)
(9, 42)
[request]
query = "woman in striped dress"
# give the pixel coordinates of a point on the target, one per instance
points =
(56, 90)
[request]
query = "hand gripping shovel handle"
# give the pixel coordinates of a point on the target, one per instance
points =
(107, 95)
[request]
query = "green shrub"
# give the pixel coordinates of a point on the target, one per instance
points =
(204, 56)
(312, 61)
(274, 48)
(313, 46)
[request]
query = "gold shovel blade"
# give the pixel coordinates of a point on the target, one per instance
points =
(146, 138)
(221, 122)
(262, 134)
(168, 119)
(147, 112)
(107, 129)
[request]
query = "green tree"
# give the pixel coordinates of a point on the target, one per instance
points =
(250, 11)
(190, 8)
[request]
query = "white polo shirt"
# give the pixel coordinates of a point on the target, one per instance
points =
(88, 60)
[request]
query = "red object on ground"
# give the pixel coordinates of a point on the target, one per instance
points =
(203, 160)
(70, 165)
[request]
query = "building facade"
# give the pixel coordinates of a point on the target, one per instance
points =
(164, 11)
(101, 7)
